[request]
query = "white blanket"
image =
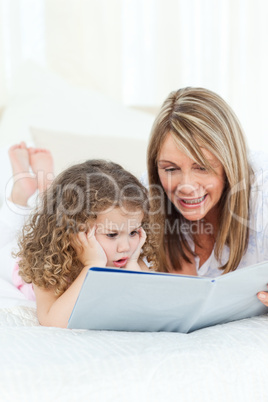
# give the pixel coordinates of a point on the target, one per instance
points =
(222, 363)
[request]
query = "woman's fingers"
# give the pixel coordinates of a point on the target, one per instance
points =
(263, 297)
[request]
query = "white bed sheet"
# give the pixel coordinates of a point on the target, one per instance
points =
(222, 363)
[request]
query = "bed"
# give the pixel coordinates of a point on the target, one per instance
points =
(222, 363)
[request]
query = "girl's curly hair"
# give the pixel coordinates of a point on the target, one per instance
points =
(73, 201)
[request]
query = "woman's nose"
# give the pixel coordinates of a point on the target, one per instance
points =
(187, 185)
(123, 245)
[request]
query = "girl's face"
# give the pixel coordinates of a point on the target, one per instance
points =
(193, 190)
(118, 234)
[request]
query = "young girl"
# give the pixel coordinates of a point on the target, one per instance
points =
(92, 214)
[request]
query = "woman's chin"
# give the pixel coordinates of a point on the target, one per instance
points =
(191, 214)
(195, 217)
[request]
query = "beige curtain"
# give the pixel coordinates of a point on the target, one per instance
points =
(22, 37)
(218, 44)
(79, 39)
(84, 42)
(137, 51)
(3, 88)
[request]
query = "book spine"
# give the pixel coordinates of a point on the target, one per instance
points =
(198, 321)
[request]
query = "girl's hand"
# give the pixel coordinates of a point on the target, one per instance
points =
(132, 263)
(92, 253)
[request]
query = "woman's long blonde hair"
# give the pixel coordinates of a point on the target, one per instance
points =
(198, 118)
(47, 257)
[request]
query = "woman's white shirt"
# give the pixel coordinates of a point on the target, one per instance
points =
(257, 250)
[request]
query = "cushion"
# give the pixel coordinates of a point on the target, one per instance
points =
(68, 149)
(41, 98)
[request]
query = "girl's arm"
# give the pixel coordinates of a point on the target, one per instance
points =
(53, 311)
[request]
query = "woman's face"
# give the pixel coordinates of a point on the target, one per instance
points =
(193, 190)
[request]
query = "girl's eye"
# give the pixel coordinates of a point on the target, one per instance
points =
(134, 233)
(111, 235)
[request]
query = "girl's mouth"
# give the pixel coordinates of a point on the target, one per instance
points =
(120, 263)
(192, 203)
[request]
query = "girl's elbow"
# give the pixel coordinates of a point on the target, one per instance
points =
(47, 321)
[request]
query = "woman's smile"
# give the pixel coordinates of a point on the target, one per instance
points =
(193, 189)
(192, 202)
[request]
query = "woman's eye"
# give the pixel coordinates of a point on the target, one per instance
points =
(171, 169)
(111, 235)
(134, 233)
(201, 168)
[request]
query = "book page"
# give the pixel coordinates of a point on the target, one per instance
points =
(235, 296)
(135, 301)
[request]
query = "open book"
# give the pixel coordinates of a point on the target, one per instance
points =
(120, 300)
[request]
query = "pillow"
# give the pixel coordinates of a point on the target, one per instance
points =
(41, 98)
(68, 149)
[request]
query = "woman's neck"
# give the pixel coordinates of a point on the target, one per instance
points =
(205, 235)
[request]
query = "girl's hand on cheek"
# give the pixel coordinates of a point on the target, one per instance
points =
(92, 253)
(135, 256)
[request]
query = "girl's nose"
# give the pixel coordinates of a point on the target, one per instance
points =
(123, 245)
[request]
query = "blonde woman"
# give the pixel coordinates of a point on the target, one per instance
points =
(209, 207)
